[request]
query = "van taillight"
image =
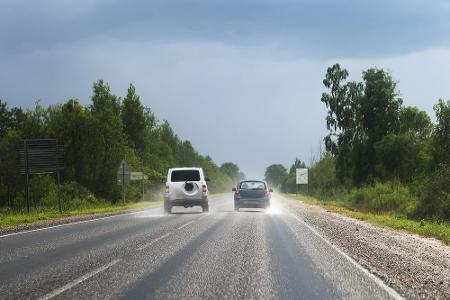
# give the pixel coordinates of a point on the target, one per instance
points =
(204, 189)
(167, 189)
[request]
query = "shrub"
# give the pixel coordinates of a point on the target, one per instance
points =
(384, 197)
(435, 196)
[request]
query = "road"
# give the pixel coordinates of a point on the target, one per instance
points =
(186, 255)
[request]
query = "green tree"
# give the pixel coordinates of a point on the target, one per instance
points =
(380, 105)
(441, 138)
(296, 165)
(72, 123)
(5, 118)
(275, 174)
(379, 110)
(401, 157)
(11, 182)
(134, 119)
(415, 122)
(232, 170)
(108, 148)
(322, 178)
(343, 118)
(103, 99)
(359, 116)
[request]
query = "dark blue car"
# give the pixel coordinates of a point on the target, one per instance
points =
(252, 194)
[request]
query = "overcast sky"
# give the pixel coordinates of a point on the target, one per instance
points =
(240, 79)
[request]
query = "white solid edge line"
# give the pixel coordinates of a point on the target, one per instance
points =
(184, 225)
(75, 223)
(78, 280)
(377, 280)
(153, 241)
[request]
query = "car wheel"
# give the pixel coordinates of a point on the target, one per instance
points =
(205, 207)
(236, 208)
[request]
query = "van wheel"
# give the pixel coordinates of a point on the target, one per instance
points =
(167, 207)
(205, 207)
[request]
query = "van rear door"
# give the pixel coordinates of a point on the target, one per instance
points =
(186, 184)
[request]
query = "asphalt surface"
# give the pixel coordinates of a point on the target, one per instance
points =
(186, 255)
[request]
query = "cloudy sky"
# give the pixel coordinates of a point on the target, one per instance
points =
(240, 79)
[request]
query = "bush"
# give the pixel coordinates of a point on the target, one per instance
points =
(75, 196)
(384, 197)
(435, 196)
(43, 191)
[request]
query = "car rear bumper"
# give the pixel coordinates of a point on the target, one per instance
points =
(258, 202)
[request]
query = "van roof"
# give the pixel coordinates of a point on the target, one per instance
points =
(185, 168)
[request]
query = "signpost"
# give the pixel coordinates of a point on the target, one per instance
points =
(41, 156)
(123, 177)
(140, 176)
(301, 177)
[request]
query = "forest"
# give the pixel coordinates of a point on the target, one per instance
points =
(96, 138)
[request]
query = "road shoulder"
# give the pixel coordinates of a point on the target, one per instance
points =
(63, 220)
(413, 265)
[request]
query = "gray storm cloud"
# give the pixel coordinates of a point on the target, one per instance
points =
(252, 70)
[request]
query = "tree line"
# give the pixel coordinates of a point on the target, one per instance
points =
(96, 138)
(375, 141)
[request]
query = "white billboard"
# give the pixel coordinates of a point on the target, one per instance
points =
(301, 176)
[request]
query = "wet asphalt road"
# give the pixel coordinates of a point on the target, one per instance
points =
(187, 255)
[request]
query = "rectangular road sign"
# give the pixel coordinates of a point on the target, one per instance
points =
(301, 176)
(138, 176)
(41, 156)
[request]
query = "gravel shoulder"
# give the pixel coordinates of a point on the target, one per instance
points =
(417, 267)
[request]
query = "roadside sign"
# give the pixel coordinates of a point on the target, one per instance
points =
(41, 156)
(301, 176)
(138, 176)
(123, 173)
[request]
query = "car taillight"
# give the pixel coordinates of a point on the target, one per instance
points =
(167, 189)
(204, 189)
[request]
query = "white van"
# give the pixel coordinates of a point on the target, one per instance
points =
(186, 187)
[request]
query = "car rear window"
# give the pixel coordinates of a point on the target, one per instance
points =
(185, 175)
(253, 185)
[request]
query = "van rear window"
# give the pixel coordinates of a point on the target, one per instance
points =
(185, 175)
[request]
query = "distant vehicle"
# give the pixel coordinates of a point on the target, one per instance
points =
(186, 187)
(251, 193)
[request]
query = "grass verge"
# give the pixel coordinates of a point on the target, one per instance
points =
(14, 219)
(440, 231)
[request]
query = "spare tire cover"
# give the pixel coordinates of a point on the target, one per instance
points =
(187, 188)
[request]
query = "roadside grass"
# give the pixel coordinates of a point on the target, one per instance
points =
(438, 230)
(10, 219)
